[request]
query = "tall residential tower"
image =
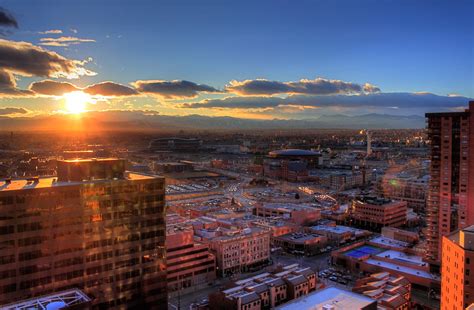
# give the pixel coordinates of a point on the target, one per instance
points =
(450, 204)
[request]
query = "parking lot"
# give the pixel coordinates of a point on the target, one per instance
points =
(190, 188)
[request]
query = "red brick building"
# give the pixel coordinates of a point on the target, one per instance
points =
(374, 213)
(189, 263)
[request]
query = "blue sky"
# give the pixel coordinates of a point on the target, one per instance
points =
(399, 46)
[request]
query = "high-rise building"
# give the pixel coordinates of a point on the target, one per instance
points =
(94, 227)
(450, 203)
(457, 276)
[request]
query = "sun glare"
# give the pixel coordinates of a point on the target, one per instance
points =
(76, 101)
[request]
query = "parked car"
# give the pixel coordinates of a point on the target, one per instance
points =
(332, 278)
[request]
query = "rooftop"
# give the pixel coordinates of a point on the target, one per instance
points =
(338, 229)
(464, 238)
(402, 269)
(288, 206)
(298, 237)
(375, 200)
(384, 242)
(403, 258)
(59, 300)
(292, 152)
(50, 182)
(338, 298)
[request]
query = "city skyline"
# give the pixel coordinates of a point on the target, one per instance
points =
(236, 60)
(246, 155)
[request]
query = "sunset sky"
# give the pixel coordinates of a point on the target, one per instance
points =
(271, 59)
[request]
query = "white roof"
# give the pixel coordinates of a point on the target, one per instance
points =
(338, 229)
(403, 257)
(390, 242)
(402, 269)
(338, 298)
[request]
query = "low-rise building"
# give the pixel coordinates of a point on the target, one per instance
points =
(266, 290)
(366, 257)
(237, 250)
(391, 292)
(291, 164)
(328, 298)
(189, 263)
(411, 189)
(301, 214)
(338, 234)
(276, 225)
(374, 213)
(400, 235)
(300, 243)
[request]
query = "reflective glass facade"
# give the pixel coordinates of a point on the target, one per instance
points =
(105, 237)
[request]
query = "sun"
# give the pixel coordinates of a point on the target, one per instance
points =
(76, 101)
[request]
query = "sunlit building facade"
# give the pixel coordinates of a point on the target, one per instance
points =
(95, 227)
(450, 204)
(457, 275)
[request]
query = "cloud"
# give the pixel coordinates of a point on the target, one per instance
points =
(52, 88)
(13, 110)
(63, 41)
(6, 19)
(26, 59)
(176, 89)
(237, 102)
(8, 86)
(369, 88)
(424, 101)
(106, 89)
(110, 89)
(319, 86)
(52, 31)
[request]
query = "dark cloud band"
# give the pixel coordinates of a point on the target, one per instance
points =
(317, 86)
(173, 89)
(12, 110)
(378, 100)
(106, 89)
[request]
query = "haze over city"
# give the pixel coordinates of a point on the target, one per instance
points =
(236, 155)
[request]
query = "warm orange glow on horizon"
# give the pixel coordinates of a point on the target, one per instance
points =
(76, 101)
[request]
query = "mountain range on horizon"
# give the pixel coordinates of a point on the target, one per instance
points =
(118, 120)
